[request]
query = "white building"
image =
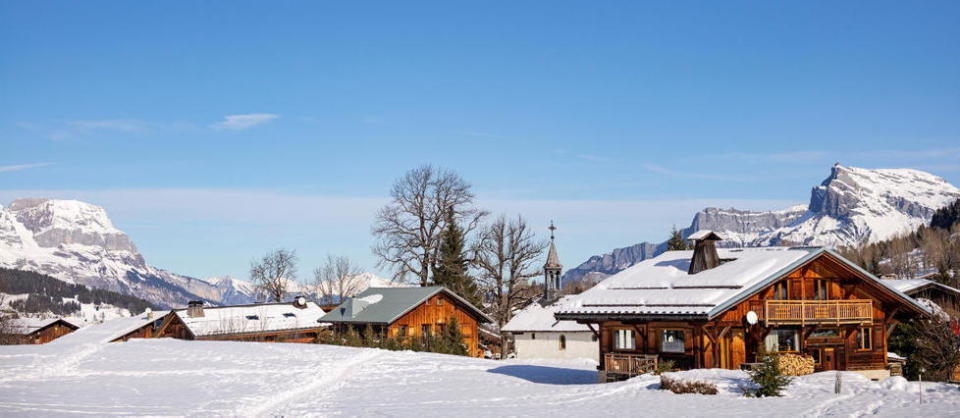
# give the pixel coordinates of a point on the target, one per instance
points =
(537, 334)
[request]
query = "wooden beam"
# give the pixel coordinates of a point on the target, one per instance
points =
(595, 333)
(892, 326)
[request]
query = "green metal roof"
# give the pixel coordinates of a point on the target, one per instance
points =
(393, 303)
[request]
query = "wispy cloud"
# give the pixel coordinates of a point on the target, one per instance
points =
(18, 167)
(244, 121)
(123, 125)
(594, 158)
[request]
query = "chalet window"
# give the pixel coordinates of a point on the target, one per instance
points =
(820, 290)
(671, 341)
(425, 330)
(441, 328)
(623, 340)
(439, 301)
(865, 339)
(563, 342)
(781, 290)
(402, 332)
(533, 335)
(593, 337)
(782, 340)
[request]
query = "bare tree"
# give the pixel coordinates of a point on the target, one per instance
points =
(408, 229)
(274, 273)
(506, 256)
(336, 279)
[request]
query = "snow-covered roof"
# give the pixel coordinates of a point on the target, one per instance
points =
(909, 285)
(536, 317)
(384, 305)
(704, 233)
(24, 326)
(255, 318)
(661, 286)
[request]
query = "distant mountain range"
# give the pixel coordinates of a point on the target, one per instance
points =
(852, 206)
(77, 242)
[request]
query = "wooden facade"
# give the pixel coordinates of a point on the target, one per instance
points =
(434, 314)
(49, 332)
(823, 308)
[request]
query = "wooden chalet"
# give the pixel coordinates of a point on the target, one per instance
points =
(409, 312)
(41, 331)
(267, 322)
(946, 297)
(711, 308)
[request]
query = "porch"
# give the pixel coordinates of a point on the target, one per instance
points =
(818, 312)
(623, 366)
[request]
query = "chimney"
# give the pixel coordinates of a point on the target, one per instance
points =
(705, 255)
(300, 302)
(195, 309)
(149, 313)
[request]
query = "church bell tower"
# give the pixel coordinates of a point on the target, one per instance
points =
(551, 272)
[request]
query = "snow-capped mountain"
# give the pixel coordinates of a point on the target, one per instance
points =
(76, 242)
(852, 206)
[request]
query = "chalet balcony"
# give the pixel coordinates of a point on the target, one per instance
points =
(629, 364)
(818, 312)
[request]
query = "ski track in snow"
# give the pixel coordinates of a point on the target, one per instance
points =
(173, 377)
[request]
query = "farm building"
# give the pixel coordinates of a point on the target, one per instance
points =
(270, 322)
(40, 331)
(720, 308)
(537, 334)
(409, 312)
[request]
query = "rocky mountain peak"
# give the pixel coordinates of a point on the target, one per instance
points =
(850, 207)
(69, 222)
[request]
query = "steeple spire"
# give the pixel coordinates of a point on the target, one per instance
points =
(551, 271)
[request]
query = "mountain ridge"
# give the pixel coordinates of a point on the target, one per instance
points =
(850, 207)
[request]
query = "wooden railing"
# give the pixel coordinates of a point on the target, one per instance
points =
(630, 364)
(849, 311)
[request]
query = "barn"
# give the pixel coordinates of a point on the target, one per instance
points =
(40, 331)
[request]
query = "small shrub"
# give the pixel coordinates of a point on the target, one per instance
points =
(768, 379)
(664, 366)
(687, 386)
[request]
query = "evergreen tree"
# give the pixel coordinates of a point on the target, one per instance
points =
(769, 379)
(451, 270)
(676, 241)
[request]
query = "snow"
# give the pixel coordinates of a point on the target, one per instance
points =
(252, 318)
(175, 377)
(662, 285)
(536, 317)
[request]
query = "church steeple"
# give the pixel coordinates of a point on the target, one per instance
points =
(551, 271)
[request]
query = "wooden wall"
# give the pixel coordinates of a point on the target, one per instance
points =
(728, 341)
(438, 310)
(48, 333)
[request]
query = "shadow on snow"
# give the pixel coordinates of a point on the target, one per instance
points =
(548, 375)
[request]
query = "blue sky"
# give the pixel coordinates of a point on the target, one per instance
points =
(215, 131)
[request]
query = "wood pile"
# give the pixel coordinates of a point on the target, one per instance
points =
(795, 364)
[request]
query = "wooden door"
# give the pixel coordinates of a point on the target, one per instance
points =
(828, 358)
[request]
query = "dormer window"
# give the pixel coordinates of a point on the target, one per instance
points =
(253, 317)
(289, 315)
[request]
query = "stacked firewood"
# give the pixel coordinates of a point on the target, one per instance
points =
(795, 364)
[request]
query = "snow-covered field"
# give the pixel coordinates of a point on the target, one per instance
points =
(79, 374)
